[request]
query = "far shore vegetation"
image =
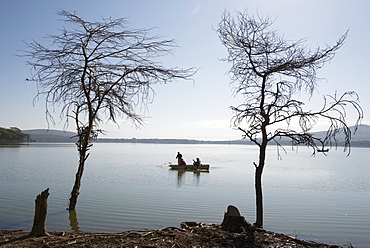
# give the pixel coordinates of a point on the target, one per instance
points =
(12, 135)
(15, 135)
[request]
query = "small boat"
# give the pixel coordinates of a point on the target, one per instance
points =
(322, 150)
(189, 167)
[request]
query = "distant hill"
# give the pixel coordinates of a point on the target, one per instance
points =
(361, 138)
(170, 141)
(362, 133)
(49, 135)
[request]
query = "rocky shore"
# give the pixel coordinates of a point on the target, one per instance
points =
(190, 234)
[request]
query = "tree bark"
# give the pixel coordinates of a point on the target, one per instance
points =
(83, 146)
(41, 209)
(76, 187)
(74, 193)
(234, 222)
(259, 197)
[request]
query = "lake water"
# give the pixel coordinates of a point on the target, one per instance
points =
(130, 187)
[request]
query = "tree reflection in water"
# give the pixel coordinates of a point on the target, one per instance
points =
(73, 220)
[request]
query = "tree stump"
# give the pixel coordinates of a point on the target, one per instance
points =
(41, 209)
(234, 222)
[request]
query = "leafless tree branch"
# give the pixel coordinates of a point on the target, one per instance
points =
(97, 70)
(271, 73)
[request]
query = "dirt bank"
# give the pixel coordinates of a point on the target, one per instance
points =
(189, 235)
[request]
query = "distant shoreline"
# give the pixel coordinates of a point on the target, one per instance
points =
(355, 143)
(172, 141)
(361, 139)
(219, 142)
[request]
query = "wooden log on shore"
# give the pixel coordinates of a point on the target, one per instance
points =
(41, 209)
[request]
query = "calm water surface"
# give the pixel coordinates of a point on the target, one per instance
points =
(129, 186)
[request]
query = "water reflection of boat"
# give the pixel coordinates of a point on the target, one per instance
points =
(322, 150)
(202, 167)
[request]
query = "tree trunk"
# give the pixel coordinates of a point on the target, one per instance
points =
(258, 181)
(76, 187)
(41, 209)
(83, 147)
(259, 198)
(74, 193)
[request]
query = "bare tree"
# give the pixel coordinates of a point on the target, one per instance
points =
(272, 73)
(97, 70)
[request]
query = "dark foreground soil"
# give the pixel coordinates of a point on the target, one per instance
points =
(194, 235)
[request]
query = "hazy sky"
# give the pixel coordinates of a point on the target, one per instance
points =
(186, 109)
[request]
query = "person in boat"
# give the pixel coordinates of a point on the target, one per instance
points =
(196, 163)
(182, 162)
(179, 158)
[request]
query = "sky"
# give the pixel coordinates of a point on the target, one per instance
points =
(198, 109)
